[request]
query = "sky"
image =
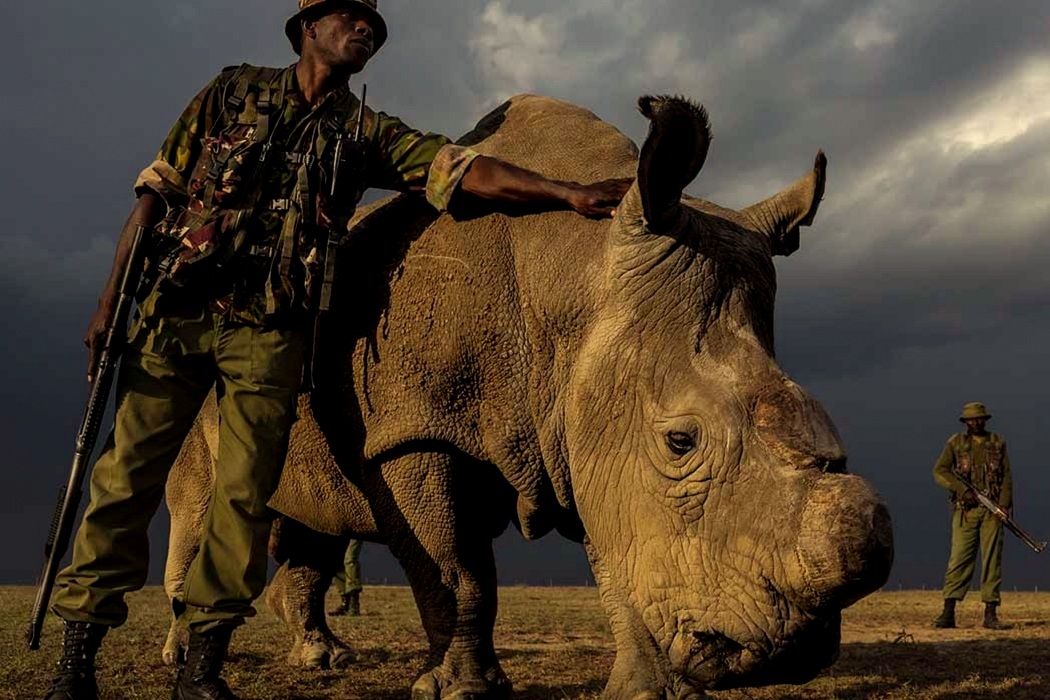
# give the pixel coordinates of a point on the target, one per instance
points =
(920, 286)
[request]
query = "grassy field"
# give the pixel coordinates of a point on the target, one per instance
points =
(555, 645)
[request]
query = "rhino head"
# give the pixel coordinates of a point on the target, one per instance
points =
(722, 526)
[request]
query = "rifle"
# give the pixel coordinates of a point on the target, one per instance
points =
(347, 163)
(997, 510)
(69, 497)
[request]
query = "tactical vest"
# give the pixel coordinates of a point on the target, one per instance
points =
(234, 178)
(992, 467)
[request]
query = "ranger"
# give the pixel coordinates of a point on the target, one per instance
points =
(979, 456)
(348, 582)
(244, 196)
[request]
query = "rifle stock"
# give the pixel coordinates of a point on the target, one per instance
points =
(69, 496)
(998, 511)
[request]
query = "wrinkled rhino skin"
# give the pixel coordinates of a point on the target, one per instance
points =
(611, 379)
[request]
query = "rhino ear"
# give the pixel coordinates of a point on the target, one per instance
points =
(780, 216)
(671, 158)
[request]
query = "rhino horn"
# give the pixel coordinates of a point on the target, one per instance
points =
(671, 158)
(780, 216)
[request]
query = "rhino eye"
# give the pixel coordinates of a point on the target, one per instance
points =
(680, 443)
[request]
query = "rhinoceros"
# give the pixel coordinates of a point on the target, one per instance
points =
(613, 380)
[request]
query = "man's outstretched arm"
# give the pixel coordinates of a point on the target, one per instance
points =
(494, 179)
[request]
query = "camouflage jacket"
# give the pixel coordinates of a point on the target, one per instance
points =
(245, 173)
(984, 463)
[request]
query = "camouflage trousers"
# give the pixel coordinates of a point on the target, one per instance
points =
(975, 528)
(348, 579)
(170, 364)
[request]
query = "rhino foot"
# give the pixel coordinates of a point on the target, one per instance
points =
(495, 686)
(174, 653)
(687, 694)
(683, 689)
(320, 651)
(296, 597)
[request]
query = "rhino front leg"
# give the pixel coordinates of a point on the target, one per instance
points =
(183, 542)
(187, 495)
(442, 536)
(308, 561)
(641, 670)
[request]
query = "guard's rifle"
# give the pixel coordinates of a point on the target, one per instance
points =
(999, 512)
(69, 497)
(347, 164)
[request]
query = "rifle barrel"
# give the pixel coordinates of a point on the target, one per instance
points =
(361, 113)
(69, 499)
(986, 501)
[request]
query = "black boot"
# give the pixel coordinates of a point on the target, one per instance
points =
(349, 604)
(343, 607)
(75, 679)
(991, 619)
(199, 678)
(947, 616)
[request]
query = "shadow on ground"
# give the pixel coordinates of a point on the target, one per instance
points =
(950, 670)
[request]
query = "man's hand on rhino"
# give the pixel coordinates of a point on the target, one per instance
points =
(599, 199)
(494, 179)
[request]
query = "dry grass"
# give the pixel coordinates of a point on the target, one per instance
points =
(555, 645)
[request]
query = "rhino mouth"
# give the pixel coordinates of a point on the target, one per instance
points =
(715, 661)
(712, 656)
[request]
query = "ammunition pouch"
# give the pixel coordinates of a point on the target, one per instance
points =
(185, 248)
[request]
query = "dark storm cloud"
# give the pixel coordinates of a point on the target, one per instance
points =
(955, 250)
(919, 286)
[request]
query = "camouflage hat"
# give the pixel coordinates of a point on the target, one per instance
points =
(974, 409)
(294, 33)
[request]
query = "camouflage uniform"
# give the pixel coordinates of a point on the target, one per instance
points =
(242, 172)
(348, 579)
(984, 462)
